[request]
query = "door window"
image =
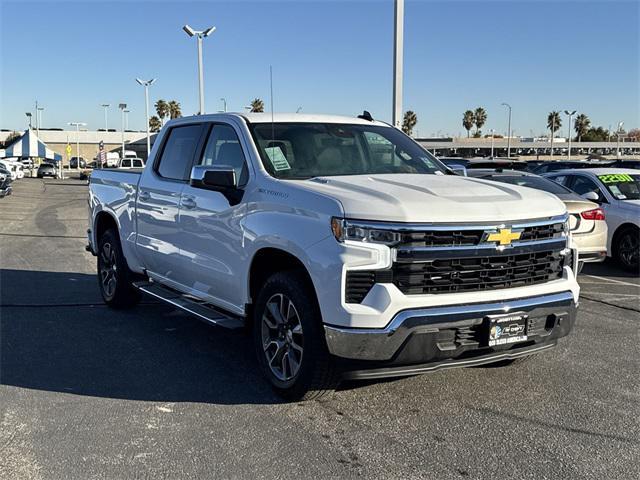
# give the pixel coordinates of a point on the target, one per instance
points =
(582, 185)
(179, 150)
(223, 150)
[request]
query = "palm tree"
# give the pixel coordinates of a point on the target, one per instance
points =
(479, 118)
(409, 121)
(257, 106)
(174, 109)
(554, 122)
(162, 109)
(581, 125)
(155, 124)
(468, 120)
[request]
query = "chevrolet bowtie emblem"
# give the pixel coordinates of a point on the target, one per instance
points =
(504, 236)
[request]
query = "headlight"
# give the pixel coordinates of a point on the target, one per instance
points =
(362, 232)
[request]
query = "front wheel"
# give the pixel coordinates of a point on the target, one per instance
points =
(289, 339)
(114, 276)
(627, 249)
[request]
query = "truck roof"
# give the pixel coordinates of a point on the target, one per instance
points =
(286, 118)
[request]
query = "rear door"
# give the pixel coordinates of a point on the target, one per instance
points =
(158, 204)
(211, 234)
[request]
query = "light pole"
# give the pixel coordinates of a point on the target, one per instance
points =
(126, 119)
(618, 139)
(106, 116)
(492, 140)
(122, 107)
(28, 114)
(77, 125)
(146, 84)
(398, 41)
(571, 114)
(224, 104)
(39, 118)
(200, 35)
(508, 131)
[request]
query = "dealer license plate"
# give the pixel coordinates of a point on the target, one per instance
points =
(507, 328)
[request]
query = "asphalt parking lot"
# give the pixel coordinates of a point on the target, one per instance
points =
(87, 392)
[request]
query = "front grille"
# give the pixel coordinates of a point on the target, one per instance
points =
(461, 274)
(457, 238)
(449, 238)
(478, 273)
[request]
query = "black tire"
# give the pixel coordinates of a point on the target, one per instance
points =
(626, 249)
(114, 277)
(316, 373)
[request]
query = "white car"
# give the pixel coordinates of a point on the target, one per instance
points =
(11, 167)
(347, 249)
(131, 162)
(617, 190)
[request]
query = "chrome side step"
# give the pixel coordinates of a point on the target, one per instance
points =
(201, 310)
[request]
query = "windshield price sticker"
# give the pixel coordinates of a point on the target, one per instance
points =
(616, 178)
(277, 158)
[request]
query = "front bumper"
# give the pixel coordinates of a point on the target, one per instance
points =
(437, 334)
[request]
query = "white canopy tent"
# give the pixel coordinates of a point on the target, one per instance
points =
(30, 146)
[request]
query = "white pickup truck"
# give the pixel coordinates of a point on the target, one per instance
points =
(343, 246)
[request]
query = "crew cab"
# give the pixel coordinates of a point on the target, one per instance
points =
(344, 247)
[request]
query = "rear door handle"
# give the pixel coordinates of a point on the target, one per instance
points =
(144, 195)
(188, 203)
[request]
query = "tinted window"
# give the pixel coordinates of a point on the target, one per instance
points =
(538, 183)
(178, 152)
(223, 150)
(582, 185)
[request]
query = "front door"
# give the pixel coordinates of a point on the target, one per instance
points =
(159, 195)
(211, 243)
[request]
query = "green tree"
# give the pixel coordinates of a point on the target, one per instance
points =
(162, 109)
(554, 122)
(581, 125)
(155, 124)
(597, 134)
(409, 121)
(479, 118)
(175, 111)
(257, 105)
(12, 137)
(468, 119)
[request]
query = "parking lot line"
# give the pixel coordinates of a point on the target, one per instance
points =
(611, 280)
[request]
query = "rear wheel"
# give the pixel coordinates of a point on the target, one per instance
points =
(114, 276)
(289, 339)
(627, 249)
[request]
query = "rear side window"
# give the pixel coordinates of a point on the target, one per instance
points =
(178, 152)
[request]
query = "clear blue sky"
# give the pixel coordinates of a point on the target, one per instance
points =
(328, 57)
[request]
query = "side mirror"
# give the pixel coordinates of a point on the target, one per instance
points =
(458, 170)
(593, 196)
(213, 178)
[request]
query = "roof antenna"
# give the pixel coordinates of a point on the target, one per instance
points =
(273, 130)
(366, 116)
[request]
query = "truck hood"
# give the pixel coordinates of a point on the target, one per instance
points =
(434, 198)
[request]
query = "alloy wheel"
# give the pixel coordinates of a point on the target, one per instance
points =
(629, 249)
(108, 270)
(282, 338)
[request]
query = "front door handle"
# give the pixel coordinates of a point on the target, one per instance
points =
(144, 195)
(188, 203)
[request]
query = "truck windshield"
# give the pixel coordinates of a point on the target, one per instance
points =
(306, 150)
